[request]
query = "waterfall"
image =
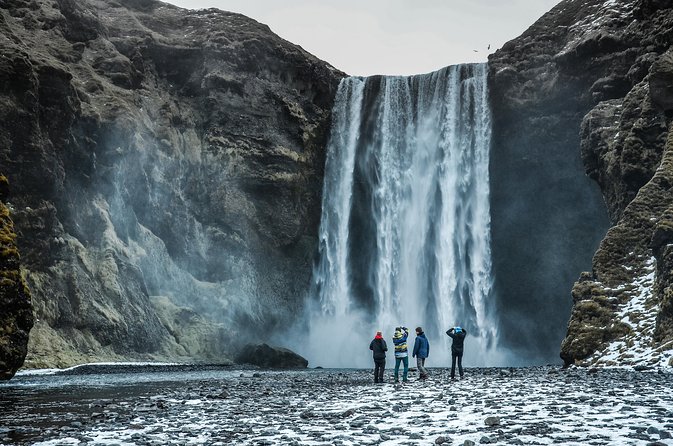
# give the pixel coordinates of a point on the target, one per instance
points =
(405, 230)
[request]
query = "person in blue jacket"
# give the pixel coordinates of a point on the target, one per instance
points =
(421, 352)
(458, 335)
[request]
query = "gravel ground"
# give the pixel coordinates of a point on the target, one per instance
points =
(542, 405)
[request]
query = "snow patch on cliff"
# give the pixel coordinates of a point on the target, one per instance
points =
(640, 314)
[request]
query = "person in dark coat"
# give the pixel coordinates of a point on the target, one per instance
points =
(421, 352)
(458, 335)
(379, 348)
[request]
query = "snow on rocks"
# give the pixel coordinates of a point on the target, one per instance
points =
(639, 313)
(543, 405)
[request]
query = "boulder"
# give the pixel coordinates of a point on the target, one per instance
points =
(266, 356)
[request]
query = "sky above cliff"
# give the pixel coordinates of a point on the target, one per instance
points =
(390, 36)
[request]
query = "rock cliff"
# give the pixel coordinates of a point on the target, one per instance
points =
(167, 171)
(16, 313)
(590, 78)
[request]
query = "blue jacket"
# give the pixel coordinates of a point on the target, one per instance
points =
(421, 346)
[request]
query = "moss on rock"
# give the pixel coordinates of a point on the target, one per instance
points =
(16, 316)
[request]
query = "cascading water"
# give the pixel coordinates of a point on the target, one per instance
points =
(405, 229)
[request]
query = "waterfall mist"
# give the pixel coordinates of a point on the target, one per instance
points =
(405, 230)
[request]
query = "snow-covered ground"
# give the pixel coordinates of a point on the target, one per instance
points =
(545, 405)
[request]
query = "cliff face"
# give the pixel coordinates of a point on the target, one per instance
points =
(594, 78)
(167, 172)
(16, 313)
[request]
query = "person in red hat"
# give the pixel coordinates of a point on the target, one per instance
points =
(379, 348)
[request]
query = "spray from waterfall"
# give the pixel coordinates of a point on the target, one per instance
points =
(405, 229)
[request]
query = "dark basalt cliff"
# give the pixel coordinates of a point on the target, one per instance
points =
(590, 78)
(166, 167)
(16, 313)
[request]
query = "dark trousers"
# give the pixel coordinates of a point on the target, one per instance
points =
(379, 366)
(454, 357)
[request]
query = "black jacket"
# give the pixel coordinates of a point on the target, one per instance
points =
(458, 339)
(379, 347)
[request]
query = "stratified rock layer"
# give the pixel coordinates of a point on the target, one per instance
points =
(609, 62)
(16, 313)
(167, 168)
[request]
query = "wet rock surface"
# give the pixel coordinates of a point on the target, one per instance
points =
(544, 405)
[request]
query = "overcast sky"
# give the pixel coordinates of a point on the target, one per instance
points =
(365, 37)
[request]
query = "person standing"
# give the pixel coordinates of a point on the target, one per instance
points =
(421, 352)
(401, 354)
(458, 335)
(379, 348)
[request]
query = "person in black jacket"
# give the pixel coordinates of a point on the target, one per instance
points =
(458, 335)
(379, 347)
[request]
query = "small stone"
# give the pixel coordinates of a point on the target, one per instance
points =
(415, 436)
(652, 430)
(372, 429)
(664, 435)
(442, 440)
(468, 443)
(492, 421)
(485, 440)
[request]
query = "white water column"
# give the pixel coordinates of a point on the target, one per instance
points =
(405, 229)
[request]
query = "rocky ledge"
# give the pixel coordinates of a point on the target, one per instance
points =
(166, 168)
(608, 66)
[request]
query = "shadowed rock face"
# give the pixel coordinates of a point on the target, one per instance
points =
(16, 313)
(589, 78)
(266, 356)
(167, 167)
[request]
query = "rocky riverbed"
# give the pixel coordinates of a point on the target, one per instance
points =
(216, 406)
